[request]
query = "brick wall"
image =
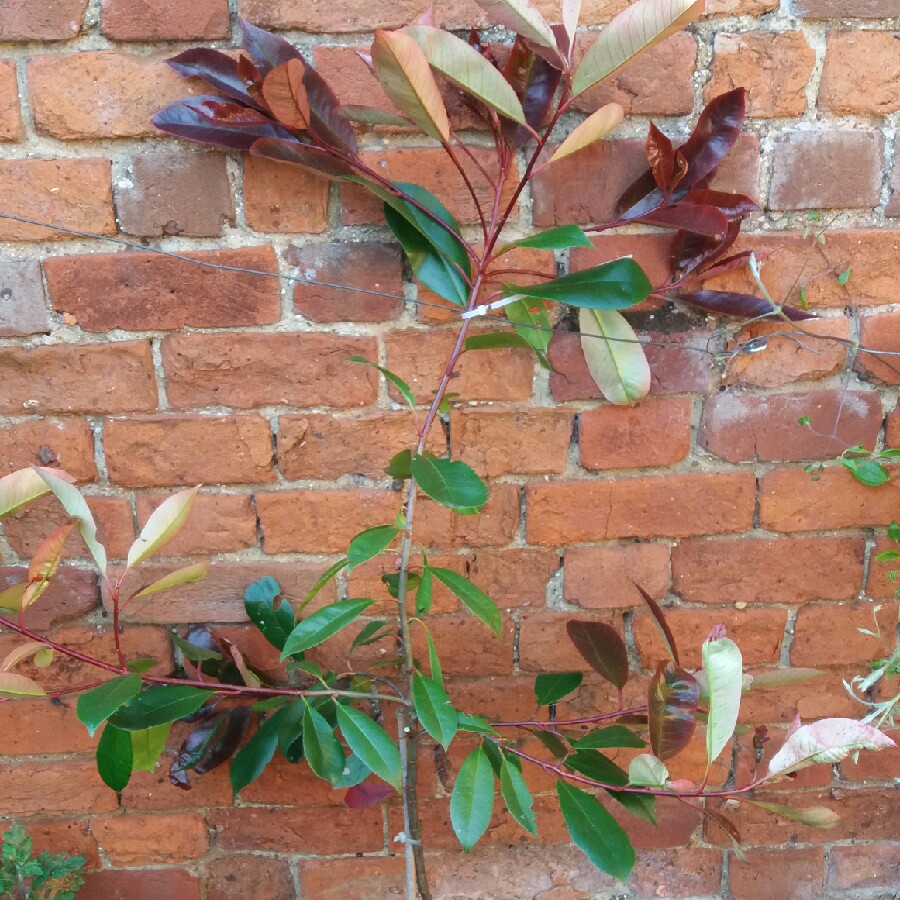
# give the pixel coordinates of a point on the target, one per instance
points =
(141, 373)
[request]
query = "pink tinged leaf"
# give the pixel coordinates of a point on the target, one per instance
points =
(21, 487)
(165, 523)
(251, 679)
(11, 598)
(407, 79)
(814, 816)
(571, 13)
(33, 592)
(521, 17)
(267, 49)
(716, 632)
(46, 558)
(427, 17)
(285, 95)
(367, 794)
(594, 128)
(43, 656)
(826, 741)
(367, 60)
(732, 263)
(661, 623)
(614, 356)
(673, 698)
(732, 206)
(17, 687)
(681, 785)
(603, 649)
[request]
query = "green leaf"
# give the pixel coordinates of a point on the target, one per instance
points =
(642, 806)
(164, 523)
(250, 761)
(614, 356)
(159, 705)
(371, 633)
(724, 672)
(369, 741)
(451, 483)
(611, 736)
(497, 340)
(434, 709)
(395, 380)
(613, 285)
(560, 238)
(369, 543)
(290, 730)
(595, 765)
(400, 466)
(326, 577)
(552, 743)
(354, 772)
(472, 800)
(532, 324)
(95, 706)
(867, 471)
(516, 796)
(186, 575)
(18, 687)
(474, 724)
(813, 816)
(433, 659)
(844, 277)
(424, 591)
(147, 746)
(323, 623)
(467, 69)
(472, 597)
(595, 832)
(193, 652)
(646, 769)
(114, 757)
(893, 532)
(141, 665)
(320, 746)
(550, 688)
(602, 648)
(19, 488)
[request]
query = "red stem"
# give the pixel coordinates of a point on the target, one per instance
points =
(587, 720)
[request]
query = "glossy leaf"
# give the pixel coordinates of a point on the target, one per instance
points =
(646, 769)
(400, 465)
(534, 78)
(46, 558)
(159, 705)
(869, 472)
(369, 543)
(496, 341)
(284, 92)
(424, 592)
(371, 633)
(368, 794)
(597, 766)
(76, 506)
(115, 757)
(320, 746)
(553, 743)
(323, 580)
(251, 760)
(322, 624)
(369, 741)
(434, 709)
(724, 672)
(714, 135)
(521, 17)
(95, 706)
(742, 306)
(193, 650)
(215, 740)
(659, 620)
(219, 70)
(451, 483)
(532, 324)
(732, 206)
(560, 238)
(268, 50)
(407, 79)
(552, 687)
(615, 357)
(467, 69)
(11, 598)
(661, 156)
(164, 524)
(308, 156)
(395, 380)
(813, 816)
(594, 128)
(595, 832)
(472, 597)
(19, 488)
(353, 773)
(641, 806)
(17, 687)
(474, 724)
(693, 217)
(602, 648)
(188, 575)
(635, 29)
(147, 746)
(516, 796)
(608, 737)
(472, 800)
(673, 700)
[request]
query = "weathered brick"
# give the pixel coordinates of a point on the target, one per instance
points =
(511, 442)
(760, 570)
(654, 433)
(23, 308)
(826, 169)
(153, 790)
(251, 370)
(544, 644)
(467, 646)
(24, 20)
(78, 378)
(135, 840)
(739, 7)
(72, 593)
(374, 267)
(741, 427)
(100, 94)
(370, 878)
(288, 784)
(142, 884)
(163, 20)
(773, 67)
(282, 197)
(739, 171)
(349, 16)
(30, 726)
(839, 9)
(64, 786)
(34, 442)
(864, 867)
(241, 875)
(879, 333)
(10, 115)
(793, 874)
(861, 73)
(789, 500)
(829, 633)
(71, 193)
(159, 451)
(496, 525)
(139, 291)
(665, 505)
(605, 577)
(175, 193)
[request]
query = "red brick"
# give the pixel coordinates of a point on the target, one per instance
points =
(419, 357)
(369, 878)
(656, 432)
(431, 169)
(666, 505)
(175, 193)
(758, 633)
(826, 169)
(38, 726)
(73, 836)
(743, 427)
(438, 527)
(511, 442)
(739, 171)
(219, 523)
(71, 594)
(544, 644)
(794, 874)
(141, 291)
(864, 867)
(65, 786)
(828, 634)
(679, 872)
(880, 333)
(142, 884)
(68, 440)
(291, 784)
(876, 767)
(861, 72)
(100, 94)
(78, 378)
(791, 501)
(467, 646)
(238, 876)
(605, 577)
(773, 67)
(650, 252)
(282, 197)
(822, 697)
(514, 577)
(656, 83)
(23, 20)
(154, 791)
(159, 451)
(352, 15)
(163, 20)
(23, 307)
(10, 116)
(838, 9)
(252, 370)
(375, 267)
(892, 429)
(135, 840)
(71, 193)
(761, 570)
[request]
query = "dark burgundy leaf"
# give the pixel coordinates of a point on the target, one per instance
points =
(474, 40)
(733, 206)
(673, 698)
(661, 622)
(218, 70)
(661, 156)
(228, 741)
(210, 744)
(731, 263)
(743, 306)
(562, 39)
(535, 82)
(603, 649)
(714, 135)
(369, 793)
(693, 217)
(692, 252)
(267, 49)
(301, 155)
(327, 123)
(443, 768)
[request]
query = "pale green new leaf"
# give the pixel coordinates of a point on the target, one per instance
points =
(614, 356)
(594, 128)
(522, 18)
(647, 769)
(187, 575)
(19, 488)
(18, 687)
(724, 671)
(165, 522)
(147, 746)
(472, 800)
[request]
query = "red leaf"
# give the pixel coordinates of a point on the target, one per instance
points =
(714, 135)
(535, 81)
(603, 649)
(369, 793)
(733, 206)
(694, 252)
(743, 306)
(285, 94)
(661, 622)
(693, 217)
(661, 156)
(267, 49)
(673, 698)
(301, 155)
(218, 70)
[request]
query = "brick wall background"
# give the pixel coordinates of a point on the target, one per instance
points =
(141, 373)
